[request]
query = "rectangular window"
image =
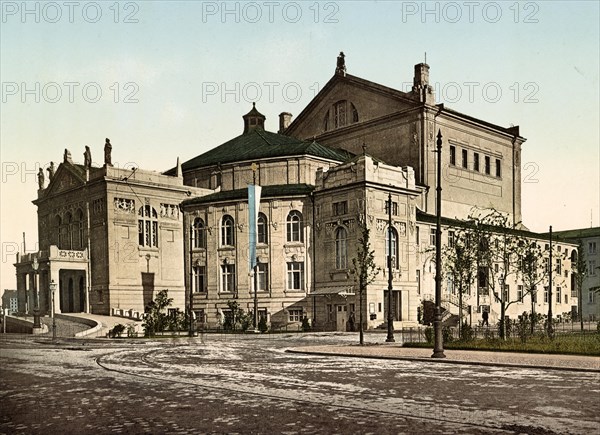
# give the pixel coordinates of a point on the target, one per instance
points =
(506, 293)
(558, 266)
(520, 293)
(418, 282)
(432, 236)
(498, 168)
(465, 159)
(592, 248)
(394, 208)
(476, 162)
(295, 271)
(228, 277)
(546, 265)
(545, 295)
(262, 280)
(199, 273)
(296, 315)
(330, 313)
(200, 315)
(592, 267)
(558, 295)
(452, 155)
(417, 236)
(534, 295)
(340, 208)
(482, 280)
(591, 295)
(566, 299)
(451, 238)
(487, 165)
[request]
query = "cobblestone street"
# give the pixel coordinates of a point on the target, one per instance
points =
(249, 384)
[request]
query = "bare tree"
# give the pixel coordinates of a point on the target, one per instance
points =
(365, 271)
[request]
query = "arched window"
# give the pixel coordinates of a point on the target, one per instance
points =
(295, 227)
(199, 234)
(78, 239)
(263, 228)
(227, 231)
(341, 248)
(58, 229)
(68, 231)
(394, 246)
(148, 226)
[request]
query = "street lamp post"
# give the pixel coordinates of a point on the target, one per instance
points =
(52, 290)
(36, 300)
(438, 349)
(390, 313)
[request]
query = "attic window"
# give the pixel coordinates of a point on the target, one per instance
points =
(341, 114)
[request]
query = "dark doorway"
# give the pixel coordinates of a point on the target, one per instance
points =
(81, 294)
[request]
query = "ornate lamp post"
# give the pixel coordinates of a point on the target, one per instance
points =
(438, 349)
(390, 312)
(36, 300)
(52, 291)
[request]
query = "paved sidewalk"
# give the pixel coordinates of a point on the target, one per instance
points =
(501, 359)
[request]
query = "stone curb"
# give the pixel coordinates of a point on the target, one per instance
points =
(445, 361)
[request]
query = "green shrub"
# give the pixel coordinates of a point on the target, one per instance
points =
(262, 324)
(466, 333)
(429, 334)
(116, 331)
(447, 335)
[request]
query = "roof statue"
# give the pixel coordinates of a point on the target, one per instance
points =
(341, 64)
(107, 153)
(40, 176)
(87, 158)
(51, 171)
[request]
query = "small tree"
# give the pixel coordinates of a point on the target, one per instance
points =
(365, 271)
(236, 317)
(459, 257)
(155, 320)
(580, 272)
(532, 274)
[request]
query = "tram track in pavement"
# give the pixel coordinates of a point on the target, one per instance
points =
(427, 412)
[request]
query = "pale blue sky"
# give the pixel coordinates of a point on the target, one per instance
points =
(547, 71)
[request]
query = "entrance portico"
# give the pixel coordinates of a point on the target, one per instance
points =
(67, 268)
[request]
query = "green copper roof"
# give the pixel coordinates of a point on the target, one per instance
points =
(261, 144)
(238, 194)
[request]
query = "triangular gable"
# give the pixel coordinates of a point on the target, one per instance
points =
(370, 99)
(67, 177)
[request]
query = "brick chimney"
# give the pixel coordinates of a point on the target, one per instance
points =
(285, 119)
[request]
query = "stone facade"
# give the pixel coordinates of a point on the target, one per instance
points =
(108, 237)
(111, 238)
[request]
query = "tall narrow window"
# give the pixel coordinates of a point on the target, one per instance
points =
(263, 229)
(465, 159)
(69, 231)
(487, 165)
(452, 155)
(432, 236)
(451, 239)
(394, 246)
(262, 280)
(58, 229)
(418, 282)
(295, 271)
(79, 238)
(341, 248)
(295, 227)
(520, 293)
(199, 284)
(476, 162)
(545, 295)
(228, 278)
(199, 234)
(148, 226)
(498, 168)
(227, 231)
(339, 114)
(417, 235)
(558, 295)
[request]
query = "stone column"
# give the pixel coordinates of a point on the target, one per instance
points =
(54, 275)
